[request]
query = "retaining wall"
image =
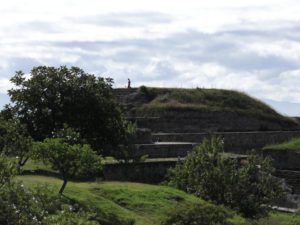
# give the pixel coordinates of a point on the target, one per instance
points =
(193, 121)
(237, 142)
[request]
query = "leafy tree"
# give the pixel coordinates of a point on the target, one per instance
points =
(207, 173)
(199, 215)
(127, 152)
(15, 141)
(69, 160)
(52, 97)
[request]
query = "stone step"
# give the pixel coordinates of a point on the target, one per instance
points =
(237, 142)
(165, 149)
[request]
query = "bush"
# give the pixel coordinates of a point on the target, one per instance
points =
(248, 188)
(69, 160)
(199, 215)
(42, 206)
(148, 93)
(15, 141)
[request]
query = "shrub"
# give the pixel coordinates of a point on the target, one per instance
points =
(199, 215)
(148, 93)
(248, 188)
(15, 141)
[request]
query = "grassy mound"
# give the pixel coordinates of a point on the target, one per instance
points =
(206, 100)
(292, 145)
(146, 204)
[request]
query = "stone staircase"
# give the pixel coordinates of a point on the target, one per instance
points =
(177, 144)
(164, 149)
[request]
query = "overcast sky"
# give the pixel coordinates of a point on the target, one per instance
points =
(251, 46)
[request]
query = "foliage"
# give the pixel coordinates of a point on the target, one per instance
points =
(248, 188)
(52, 97)
(69, 217)
(7, 171)
(199, 215)
(69, 160)
(68, 135)
(148, 93)
(128, 148)
(15, 141)
(293, 144)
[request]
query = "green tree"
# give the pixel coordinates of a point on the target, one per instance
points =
(209, 174)
(52, 97)
(69, 160)
(15, 141)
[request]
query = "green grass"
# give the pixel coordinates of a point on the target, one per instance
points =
(207, 100)
(277, 218)
(146, 204)
(292, 145)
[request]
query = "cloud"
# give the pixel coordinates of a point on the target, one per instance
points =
(5, 85)
(128, 19)
(251, 46)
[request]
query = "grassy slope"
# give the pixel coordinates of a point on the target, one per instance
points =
(199, 99)
(147, 204)
(286, 146)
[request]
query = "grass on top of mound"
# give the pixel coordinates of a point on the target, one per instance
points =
(291, 145)
(144, 203)
(211, 100)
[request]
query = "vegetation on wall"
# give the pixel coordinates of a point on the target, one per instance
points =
(292, 145)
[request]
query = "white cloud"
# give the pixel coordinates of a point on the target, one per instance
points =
(251, 46)
(5, 85)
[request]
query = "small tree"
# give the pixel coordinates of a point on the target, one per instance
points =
(207, 173)
(15, 141)
(69, 160)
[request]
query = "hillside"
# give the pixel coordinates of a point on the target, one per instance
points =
(206, 100)
(145, 204)
(201, 110)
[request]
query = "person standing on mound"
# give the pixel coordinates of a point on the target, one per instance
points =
(129, 84)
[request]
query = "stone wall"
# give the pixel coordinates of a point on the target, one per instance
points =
(146, 172)
(292, 178)
(164, 150)
(156, 172)
(237, 142)
(284, 160)
(193, 121)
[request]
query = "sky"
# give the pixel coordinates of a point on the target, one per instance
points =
(249, 46)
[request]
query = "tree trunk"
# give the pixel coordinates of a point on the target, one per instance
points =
(63, 187)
